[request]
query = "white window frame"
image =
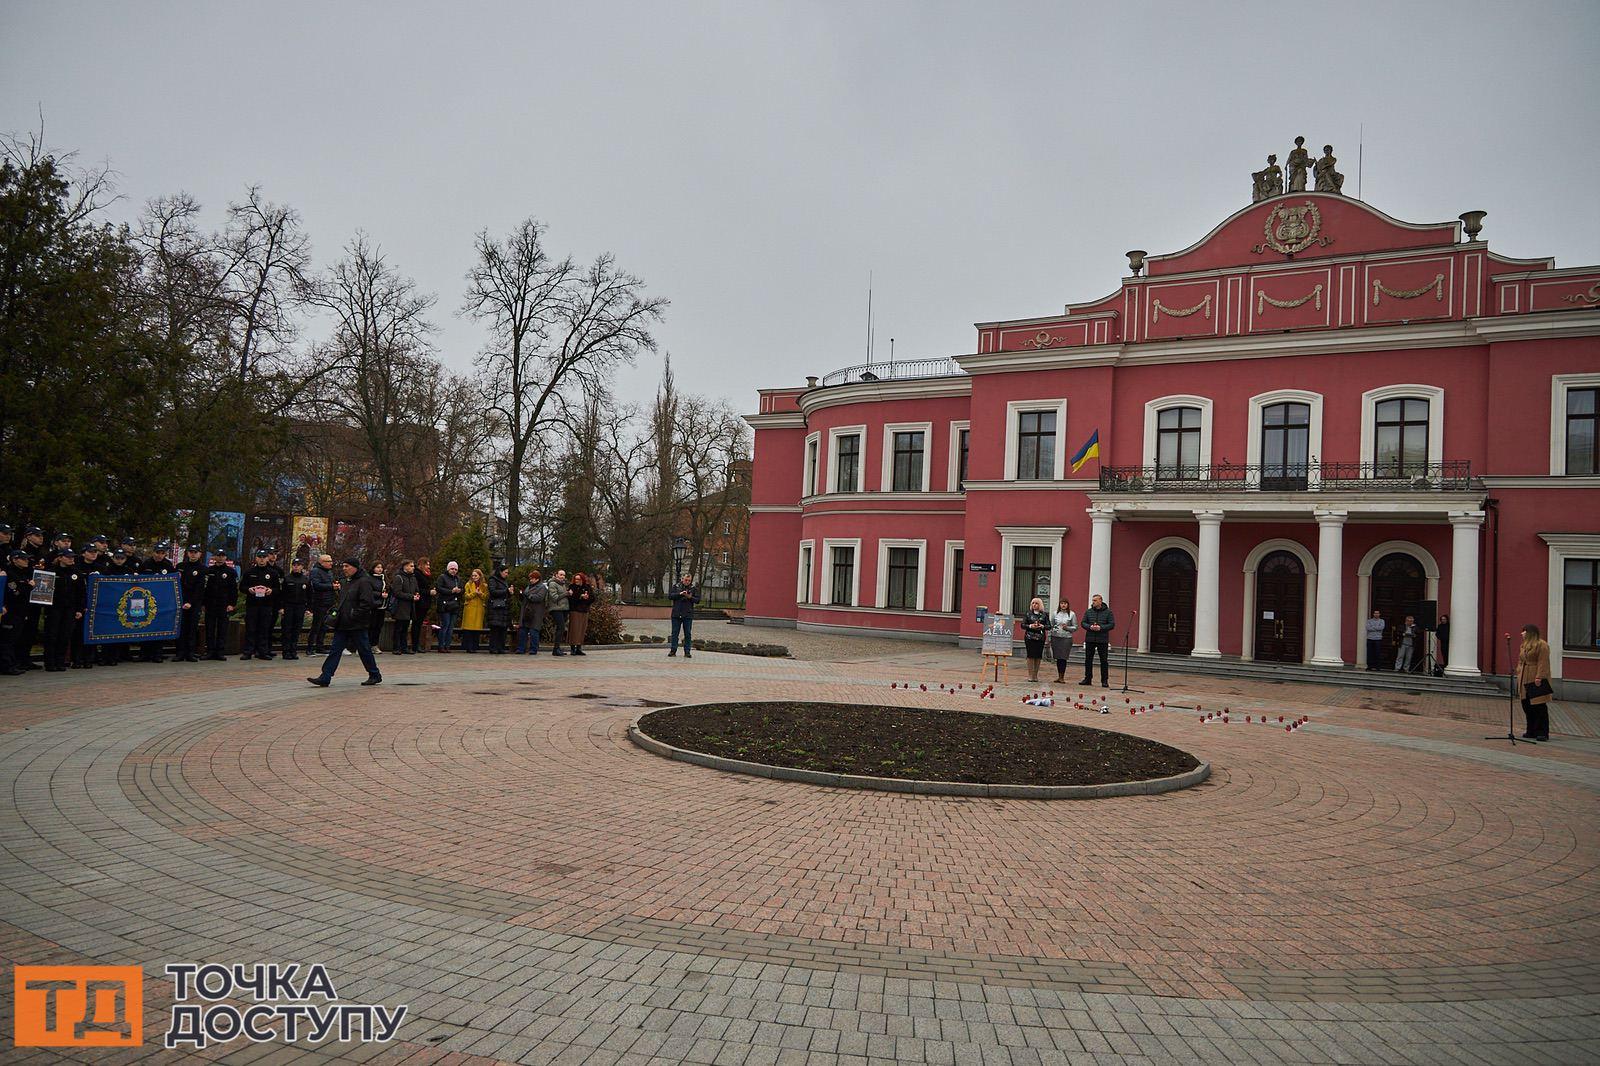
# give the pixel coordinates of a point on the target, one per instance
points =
(1562, 546)
(828, 544)
(1152, 429)
(833, 457)
(802, 579)
(1369, 414)
(1014, 410)
(953, 480)
(1560, 385)
(921, 546)
(1028, 537)
(810, 460)
(1262, 401)
(886, 473)
(951, 577)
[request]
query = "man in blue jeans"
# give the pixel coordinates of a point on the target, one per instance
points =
(683, 598)
(358, 597)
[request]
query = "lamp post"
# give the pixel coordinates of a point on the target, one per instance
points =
(680, 548)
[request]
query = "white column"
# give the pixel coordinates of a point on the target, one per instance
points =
(1465, 526)
(1327, 649)
(1207, 578)
(1100, 521)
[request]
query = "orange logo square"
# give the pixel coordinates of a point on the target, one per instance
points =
(78, 1006)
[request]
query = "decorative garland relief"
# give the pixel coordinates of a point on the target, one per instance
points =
(1157, 308)
(1262, 299)
(1437, 285)
(1590, 297)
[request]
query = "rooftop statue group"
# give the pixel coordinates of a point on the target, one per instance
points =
(1268, 182)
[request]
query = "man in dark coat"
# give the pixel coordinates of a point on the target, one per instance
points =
(260, 582)
(276, 599)
(683, 596)
(18, 613)
(191, 598)
(90, 562)
(320, 583)
(221, 596)
(448, 591)
(158, 563)
(1096, 625)
(65, 612)
(359, 596)
(295, 594)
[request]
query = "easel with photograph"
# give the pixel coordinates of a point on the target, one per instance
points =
(998, 643)
(1001, 665)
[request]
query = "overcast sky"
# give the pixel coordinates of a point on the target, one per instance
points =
(754, 161)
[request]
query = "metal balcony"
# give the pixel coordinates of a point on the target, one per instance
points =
(1452, 475)
(897, 370)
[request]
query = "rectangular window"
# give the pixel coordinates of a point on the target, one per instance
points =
(805, 574)
(957, 566)
(1178, 443)
(1030, 577)
(848, 475)
(1581, 605)
(811, 466)
(908, 458)
(961, 461)
(1036, 445)
(902, 591)
(1285, 446)
(842, 582)
(1583, 444)
(1401, 438)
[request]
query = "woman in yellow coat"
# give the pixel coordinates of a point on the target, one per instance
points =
(1533, 682)
(476, 599)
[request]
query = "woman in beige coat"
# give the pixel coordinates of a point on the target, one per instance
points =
(1533, 683)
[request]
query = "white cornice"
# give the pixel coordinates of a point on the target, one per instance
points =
(1539, 325)
(1542, 481)
(774, 509)
(871, 497)
(1544, 275)
(1063, 484)
(777, 420)
(870, 391)
(1040, 359)
(1432, 505)
(1062, 319)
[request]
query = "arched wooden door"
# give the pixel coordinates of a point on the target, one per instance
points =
(1172, 581)
(1280, 608)
(1398, 585)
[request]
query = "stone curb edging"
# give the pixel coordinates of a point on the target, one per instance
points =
(1152, 787)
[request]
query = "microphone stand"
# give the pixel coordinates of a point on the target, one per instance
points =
(1511, 698)
(1127, 635)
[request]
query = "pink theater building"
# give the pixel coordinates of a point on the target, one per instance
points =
(1313, 412)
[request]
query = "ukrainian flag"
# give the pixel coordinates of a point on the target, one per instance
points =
(1090, 450)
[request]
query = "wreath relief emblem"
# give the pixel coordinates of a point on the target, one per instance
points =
(136, 608)
(1290, 229)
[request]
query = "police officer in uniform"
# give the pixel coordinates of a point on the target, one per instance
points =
(158, 563)
(90, 562)
(260, 583)
(59, 541)
(221, 595)
(191, 597)
(18, 611)
(296, 594)
(277, 597)
(33, 543)
(26, 625)
(65, 612)
(5, 540)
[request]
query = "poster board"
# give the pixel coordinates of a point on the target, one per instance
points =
(225, 533)
(310, 538)
(266, 531)
(44, 587)
(997, 634)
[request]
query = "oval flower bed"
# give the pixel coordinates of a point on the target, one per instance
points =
(892, 747)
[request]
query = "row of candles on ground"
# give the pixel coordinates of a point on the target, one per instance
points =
(1047, 698)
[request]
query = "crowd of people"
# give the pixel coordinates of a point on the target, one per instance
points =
(337, 610)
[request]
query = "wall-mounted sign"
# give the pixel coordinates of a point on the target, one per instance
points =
(983, 612)
(981, 568)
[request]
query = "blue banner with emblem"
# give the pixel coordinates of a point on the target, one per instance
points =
(132, 608)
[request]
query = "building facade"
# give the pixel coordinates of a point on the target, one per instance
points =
(1313, 413)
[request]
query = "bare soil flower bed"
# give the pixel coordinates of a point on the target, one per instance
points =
(911, 743)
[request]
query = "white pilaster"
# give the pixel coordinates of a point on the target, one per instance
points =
(1100, 522)
(1328, 651)
(1464, 528)
(1207, 578)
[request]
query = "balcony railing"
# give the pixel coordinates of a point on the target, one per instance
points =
(898, 370)
(1453, 475)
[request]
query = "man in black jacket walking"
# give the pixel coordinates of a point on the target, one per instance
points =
(358, 598)
(1097, 623)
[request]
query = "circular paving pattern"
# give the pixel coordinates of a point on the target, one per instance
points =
(1346, 866)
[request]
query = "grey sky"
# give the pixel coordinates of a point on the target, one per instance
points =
(753, 161)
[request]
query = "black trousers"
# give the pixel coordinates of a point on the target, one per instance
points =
(257, 628)
(497, 640)
(24, 631)
(216, 632)
(188, 632)
(1538, 716)
(81, 655)
(294, 616)
(397, 635)
(319, 628)
(57, 642)
(416, 631)
(1089, 651)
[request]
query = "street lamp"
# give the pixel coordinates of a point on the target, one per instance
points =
(680, 548)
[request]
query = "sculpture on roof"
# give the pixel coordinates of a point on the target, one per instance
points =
(1328, 179)
(1267, 182)
(1299, 162)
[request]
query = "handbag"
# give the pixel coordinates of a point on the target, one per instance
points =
(1538, 692)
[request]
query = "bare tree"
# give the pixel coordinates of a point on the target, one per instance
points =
(265, 277)
(709, 439)
(555, 327)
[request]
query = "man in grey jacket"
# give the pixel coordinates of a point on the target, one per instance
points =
(559, 603)
(1096, 625)
(1375, 627)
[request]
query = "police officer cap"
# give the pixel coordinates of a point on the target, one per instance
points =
(91, 547)
(193, 548)
(66, 553)
(127, 541)
(260, 553)
(119, 551)
(100, 538)
(5, 527)
(20, 553)
(164, 545)
(63, 536)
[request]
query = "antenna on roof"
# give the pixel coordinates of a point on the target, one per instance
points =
(1361, 146)
(869, 318)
